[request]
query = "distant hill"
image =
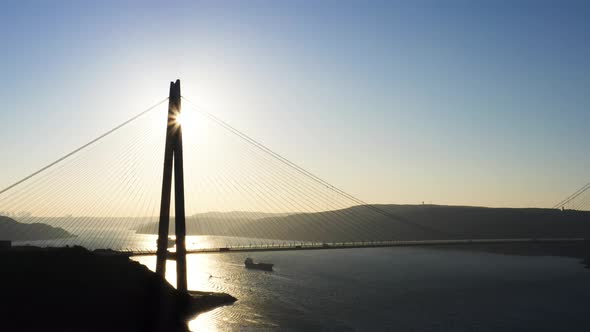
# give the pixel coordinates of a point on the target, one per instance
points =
(413, 222)
(218, 223)
(10, 229)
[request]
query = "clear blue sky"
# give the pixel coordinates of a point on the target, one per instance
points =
(453, 102)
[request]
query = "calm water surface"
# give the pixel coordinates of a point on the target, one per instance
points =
(386, 289)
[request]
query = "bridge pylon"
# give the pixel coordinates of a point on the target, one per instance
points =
(173, 157)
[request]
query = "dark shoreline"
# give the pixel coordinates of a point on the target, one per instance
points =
(73, 289)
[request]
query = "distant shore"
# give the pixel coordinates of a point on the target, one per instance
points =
(399, 222)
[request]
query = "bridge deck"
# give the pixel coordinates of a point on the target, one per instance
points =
(351, 245)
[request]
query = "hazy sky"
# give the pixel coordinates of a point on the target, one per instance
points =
(449, 102)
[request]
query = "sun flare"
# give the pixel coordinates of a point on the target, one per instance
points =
(180, 118)
(192, 125)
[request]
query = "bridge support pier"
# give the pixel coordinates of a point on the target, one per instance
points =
(173, 157)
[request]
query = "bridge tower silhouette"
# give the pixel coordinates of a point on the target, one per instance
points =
(173, 158)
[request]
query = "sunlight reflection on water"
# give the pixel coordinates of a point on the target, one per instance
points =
(202, 268)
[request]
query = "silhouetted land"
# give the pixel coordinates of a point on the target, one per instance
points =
(15, 231)
(434, 222)
(73, 289)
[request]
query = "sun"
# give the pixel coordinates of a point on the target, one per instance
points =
(180, 118)
(191, 123)
(185, 118)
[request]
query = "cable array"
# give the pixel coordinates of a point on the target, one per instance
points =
(579, 200)
(95, 195)
(237, 192)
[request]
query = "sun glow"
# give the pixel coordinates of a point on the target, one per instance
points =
(180, 118)
(193, 128)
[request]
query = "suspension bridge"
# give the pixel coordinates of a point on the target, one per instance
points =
(231, 194)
